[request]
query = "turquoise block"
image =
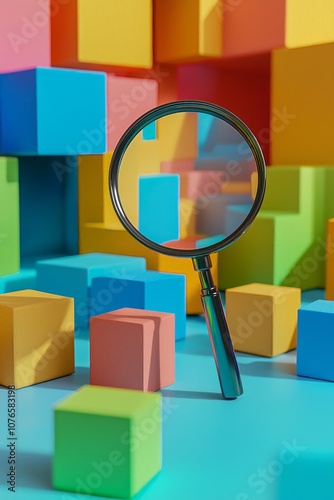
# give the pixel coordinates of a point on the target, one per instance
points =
(48, 206)
(52, 111)
(315, 344)
(150, 290)
(149, 133)
(72, 276)
(159, 203)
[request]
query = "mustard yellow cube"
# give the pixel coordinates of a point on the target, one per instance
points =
(262, 319)
(101, 34)
(36, 337)
(302, 118)
(308, 23)
(187, 30)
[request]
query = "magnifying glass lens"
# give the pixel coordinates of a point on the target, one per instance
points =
(187, 179)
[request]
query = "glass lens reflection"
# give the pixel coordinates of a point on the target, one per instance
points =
(187, 180)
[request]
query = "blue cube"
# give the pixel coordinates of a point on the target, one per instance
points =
(149, 290)
(72, 276)
(52, 111)
(315, 344)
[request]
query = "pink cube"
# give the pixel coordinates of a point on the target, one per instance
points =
(132, 349)
(177, 166)
(127, 100)
(25, 33)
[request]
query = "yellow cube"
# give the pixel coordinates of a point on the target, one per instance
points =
(308, 23)
(101, 34)
(187, 30)
(36, 337)
(262, 319)
(330, 260)
(302, 119)
(177, 137)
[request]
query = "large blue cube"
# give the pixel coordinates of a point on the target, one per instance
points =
(52, 111)
(149, 290)
(315, 344)
(72, 276)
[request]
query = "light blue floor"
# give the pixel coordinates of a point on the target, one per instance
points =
(276, 442)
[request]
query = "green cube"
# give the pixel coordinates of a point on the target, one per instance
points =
(107, 441)
(9, 216)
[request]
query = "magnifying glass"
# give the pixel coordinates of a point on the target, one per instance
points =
(187, 179)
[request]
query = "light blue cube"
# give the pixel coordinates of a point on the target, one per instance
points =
(315, 344)
(149, 290)
(159, 203)
(72, 276)
(53, 111)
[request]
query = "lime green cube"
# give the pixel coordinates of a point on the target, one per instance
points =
(9, 216)
(107, 441)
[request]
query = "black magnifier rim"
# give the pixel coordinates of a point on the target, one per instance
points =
(169, 109)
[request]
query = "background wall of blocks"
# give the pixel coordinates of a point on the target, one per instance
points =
(277, 79)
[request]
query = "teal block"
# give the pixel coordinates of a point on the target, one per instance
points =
(72, 276)
(149, 290)
(9, 217)
(108, 442)
(159, 206)
(48, 205)
(149, 133)
(315, 344)
(52, 111)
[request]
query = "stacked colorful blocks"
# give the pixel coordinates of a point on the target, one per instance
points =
(75, 75)
(149, 290)
(74, 275)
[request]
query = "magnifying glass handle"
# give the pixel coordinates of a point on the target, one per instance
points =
(223, 352)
